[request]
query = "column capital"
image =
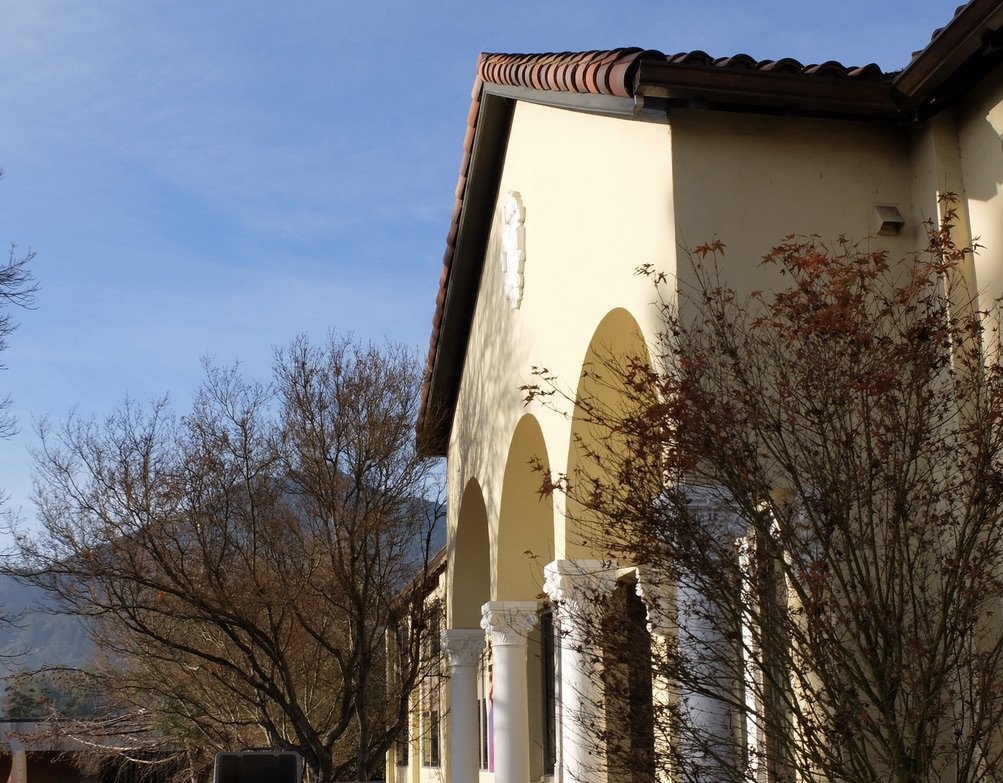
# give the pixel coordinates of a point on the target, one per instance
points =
(715, 508)
(508, 622)
(655, 591)
(577, 583)
(463, 646)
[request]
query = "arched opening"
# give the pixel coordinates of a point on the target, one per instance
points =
(525, 546)
(603, 398)
(470, 562)
(526, 520)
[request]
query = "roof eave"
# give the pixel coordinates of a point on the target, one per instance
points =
(480, 174)
(766, 91)
(963, 38)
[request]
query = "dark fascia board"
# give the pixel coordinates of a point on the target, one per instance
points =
(660, 85)
(754, 89)
(951, 48)
(487, 157)
(589, 103)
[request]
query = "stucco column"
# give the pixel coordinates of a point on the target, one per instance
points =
(463, 647)
(509, 623)
(574, 586)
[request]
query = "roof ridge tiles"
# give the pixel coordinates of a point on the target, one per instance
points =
(610, 71)
(598, 71)
(783, 65)
(828, 68)
(871, 71)
(737, 61)
(697, 56)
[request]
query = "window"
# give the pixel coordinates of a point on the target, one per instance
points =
(549, 691)
(430, 751)
(403, 741)
(629, 734)
(484, 712)
(762, 650)
(431, 692)
(401, 745)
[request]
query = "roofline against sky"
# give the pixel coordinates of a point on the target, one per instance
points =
(647, 85)
(973, 31)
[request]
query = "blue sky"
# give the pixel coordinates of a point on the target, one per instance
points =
(214, 178)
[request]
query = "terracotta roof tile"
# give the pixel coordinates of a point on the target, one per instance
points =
(696, 57)
(737, 61)
(936, 33)
(830, 68)
(871, 72)
(786, 65)
(595, 72)
(611, 72)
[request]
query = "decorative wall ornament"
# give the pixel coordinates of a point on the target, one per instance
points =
(513, 250)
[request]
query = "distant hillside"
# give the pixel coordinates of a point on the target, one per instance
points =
(39, 637)
(43, 638)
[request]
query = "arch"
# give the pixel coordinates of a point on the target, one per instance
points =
(526, 518)
(616, 345)
(470, 561)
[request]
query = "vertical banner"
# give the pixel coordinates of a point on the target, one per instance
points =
(18, 762)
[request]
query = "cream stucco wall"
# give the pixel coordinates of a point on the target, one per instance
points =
(751, 180)
(597, 195)
(979, 127)
(960, 151)
(603, 196)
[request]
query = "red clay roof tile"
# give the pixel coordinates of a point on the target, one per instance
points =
(785, 65)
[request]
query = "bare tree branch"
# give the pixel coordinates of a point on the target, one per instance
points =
(240, 562)
(810, 483)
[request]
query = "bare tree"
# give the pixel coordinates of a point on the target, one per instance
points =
(240, 562)
(17, 289)
(810, 483)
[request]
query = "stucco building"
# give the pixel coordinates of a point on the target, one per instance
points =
(578, 168)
